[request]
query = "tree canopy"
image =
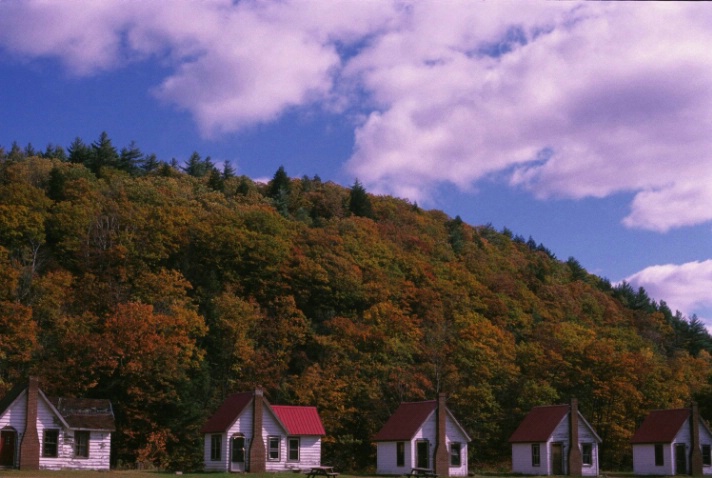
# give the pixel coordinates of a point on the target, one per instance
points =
(165, 290)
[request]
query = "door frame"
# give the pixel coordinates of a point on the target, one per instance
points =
(4, 433)
(238, 466)
(557, 466)
(680, 458)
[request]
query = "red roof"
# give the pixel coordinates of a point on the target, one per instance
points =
(406, 421)
(299, 420)
(539, 424)
(228, 412)
(661, 426)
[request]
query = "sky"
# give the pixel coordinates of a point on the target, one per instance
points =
(586, 126)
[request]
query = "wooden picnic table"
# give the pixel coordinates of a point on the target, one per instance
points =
(321, 471)
(423, 472)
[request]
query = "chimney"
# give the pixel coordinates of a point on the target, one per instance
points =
(695, 452)
(575, 458)
(258, 453)
(30, 445)
(442, 457)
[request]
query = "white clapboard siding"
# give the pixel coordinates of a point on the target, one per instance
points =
(15, 414)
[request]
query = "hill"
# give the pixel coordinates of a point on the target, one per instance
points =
(166, 289)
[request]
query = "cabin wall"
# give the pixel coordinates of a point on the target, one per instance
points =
(644, 460)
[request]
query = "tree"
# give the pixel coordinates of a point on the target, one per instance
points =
(228, 171)
(280, 184)
(79, 153)
(104, 154)
(359, 202)
(130, 158)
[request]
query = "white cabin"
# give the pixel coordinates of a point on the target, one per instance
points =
(412, 438)
(61, 433)
(247, 434)
(673, 442)
(542, 444)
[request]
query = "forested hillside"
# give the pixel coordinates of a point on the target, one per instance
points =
(164, 289)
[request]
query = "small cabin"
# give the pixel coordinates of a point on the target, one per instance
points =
(555, 440)
(673, 442)
(40, 432)
(248, 434)
(422, 436)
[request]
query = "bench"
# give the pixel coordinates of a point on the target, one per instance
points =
(422, 472)
(322, 471)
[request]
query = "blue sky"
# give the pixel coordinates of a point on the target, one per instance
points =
(586, 126)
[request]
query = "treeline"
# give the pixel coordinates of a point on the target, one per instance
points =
(166, 288)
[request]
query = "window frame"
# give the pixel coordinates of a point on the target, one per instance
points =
(659, 454)
(455, 458)
(48, 443)
(536, 454)
(81, 443)
(587, 454)
(271, 439)
(400, 453)
(290, 449)
(706, 455)
(216, 447)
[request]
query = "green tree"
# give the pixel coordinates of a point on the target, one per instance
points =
(359, 202)
(104, 154)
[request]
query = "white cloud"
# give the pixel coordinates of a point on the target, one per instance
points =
(684, 287)
(563, 99)
(596, 99)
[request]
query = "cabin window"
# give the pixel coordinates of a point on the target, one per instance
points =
(706, 455)
(455, 454)
(587, 454)
(81, 444)
(400, 453)
(50, 443)
(273, 448)
(659, 457)
(293, 449)
(536, 456)
(215, 447)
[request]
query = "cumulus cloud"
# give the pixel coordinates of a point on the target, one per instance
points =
(562, 99)
(684, 287)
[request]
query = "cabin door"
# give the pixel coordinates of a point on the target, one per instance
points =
(421, 454)
(237, 453)
(7, 448)
(680, 459)
(557, 459)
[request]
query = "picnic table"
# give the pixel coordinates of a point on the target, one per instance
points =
(321, 471)
(423, 472)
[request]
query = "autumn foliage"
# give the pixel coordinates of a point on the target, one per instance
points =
(164, 291)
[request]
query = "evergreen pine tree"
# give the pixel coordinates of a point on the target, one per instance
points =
(130, 158)
(279, 185)
(104, 154)
(195, 166)
(215, 180)
(228, 171)
(79, 152)
(149, 163)
(359, 202)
